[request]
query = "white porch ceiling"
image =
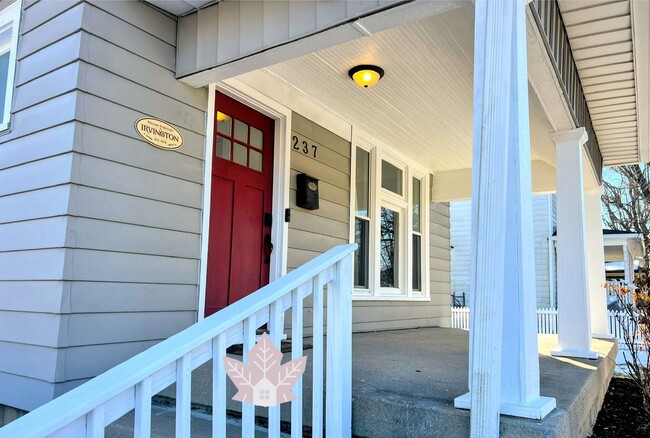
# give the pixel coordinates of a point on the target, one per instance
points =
(601, 37)
(181, 7)
(423, 105)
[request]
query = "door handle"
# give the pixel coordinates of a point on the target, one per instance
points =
(268, 248)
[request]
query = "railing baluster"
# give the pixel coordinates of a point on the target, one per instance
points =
(338, 403)
(248, 409)
(317, 360)
(276, 327)
(296, 352)
(95, 423)
(142, 426)
(183, 395)
(218, 387)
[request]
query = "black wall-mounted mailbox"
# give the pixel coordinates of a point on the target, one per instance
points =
(306, 192)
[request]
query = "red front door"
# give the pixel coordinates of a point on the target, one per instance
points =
(239, 245)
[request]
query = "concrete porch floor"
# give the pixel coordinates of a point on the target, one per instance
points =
(404, 383)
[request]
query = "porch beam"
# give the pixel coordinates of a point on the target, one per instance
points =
(456, 185)
(504, 364)
(574, 320)
(596, 264)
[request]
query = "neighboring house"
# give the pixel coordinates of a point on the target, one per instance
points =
(267, 154)
(544, 221)
(624, 253)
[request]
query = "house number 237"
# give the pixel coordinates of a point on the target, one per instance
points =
(304, 147)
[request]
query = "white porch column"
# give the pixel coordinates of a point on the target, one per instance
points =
(596, 264)
(574, 324)
(504, 365)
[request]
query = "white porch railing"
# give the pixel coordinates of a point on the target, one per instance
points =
(546, 322)
(88, 409)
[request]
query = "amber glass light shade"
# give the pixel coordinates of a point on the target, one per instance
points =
(365, 76)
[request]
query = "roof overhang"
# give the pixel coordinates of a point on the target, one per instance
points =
(609, 43)
(181, 7)
(641, 41)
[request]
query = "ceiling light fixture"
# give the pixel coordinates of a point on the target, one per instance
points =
(365, 76)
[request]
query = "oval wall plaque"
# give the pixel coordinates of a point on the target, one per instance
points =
(159, 133)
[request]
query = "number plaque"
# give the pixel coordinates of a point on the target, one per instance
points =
(303, 145)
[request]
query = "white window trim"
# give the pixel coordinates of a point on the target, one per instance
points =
(10, 16)
(377, 195)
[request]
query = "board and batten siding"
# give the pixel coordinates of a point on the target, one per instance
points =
(543, 227)
(102, 259)
(231, 30)
(313, 232)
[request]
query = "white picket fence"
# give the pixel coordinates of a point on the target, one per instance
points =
(460, 318)
(87, 410)
(546, 322)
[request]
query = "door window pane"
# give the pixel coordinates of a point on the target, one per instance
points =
(240, 155)
(224, 124)
(361, 227)
(388, 260)
(257, 138)
(391, 177)
(241, 131)
(223, 148)
(416, 205)
(255, 160)
(417, 262)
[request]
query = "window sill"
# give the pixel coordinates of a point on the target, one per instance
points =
(365, 297)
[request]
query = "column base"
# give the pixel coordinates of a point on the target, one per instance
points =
(602, 336)
(581, 354)
(536, 410)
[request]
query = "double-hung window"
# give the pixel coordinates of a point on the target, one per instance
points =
(389, 227)
(9, 18)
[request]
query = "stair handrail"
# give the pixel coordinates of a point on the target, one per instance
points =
(81, 401)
